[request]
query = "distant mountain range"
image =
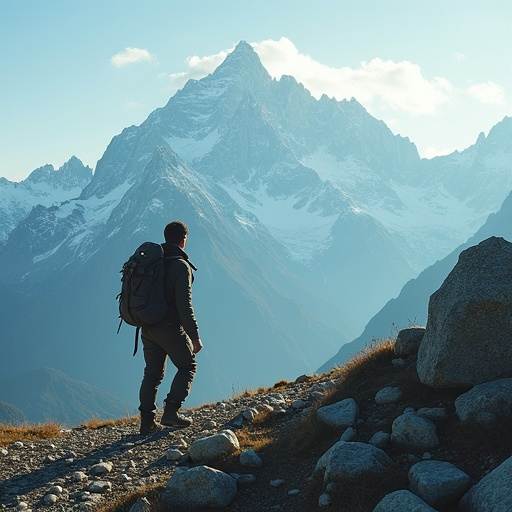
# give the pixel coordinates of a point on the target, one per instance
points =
(306, 216)
(47, 395)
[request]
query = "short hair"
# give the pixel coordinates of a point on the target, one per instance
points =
(175, 232)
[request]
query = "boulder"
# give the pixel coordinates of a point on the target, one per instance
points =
(408, 341)
(468, 337)
(199, 488)
(210, 448)
(342, 414)
(412, 431)
(345, 462)
(437, 482)
(403, 500)
(492, 493)
(486, 402)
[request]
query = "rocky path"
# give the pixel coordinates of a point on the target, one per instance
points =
(86, 467)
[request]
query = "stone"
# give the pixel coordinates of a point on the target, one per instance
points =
(345, 462)
(199, 487)
(485, 403)
(341, 414)
(277, 483)
(212, 447)
(173, 454)
(388, 395)
(100, 469)
(412, 431)
(402, 500)
(324, 500)
(141, 505)
(250, 458)
(468, 337)
(438, 482)
(348, 435)
(380, 439)
(408, 341)
(99, 486)
(492, 492)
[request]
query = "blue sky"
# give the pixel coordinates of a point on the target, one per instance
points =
(74, 74)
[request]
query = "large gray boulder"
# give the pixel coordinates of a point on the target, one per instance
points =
(438, 482)
(486, 402)
(341, 414)
(210, 448)
(412, 431)
(468, 337)
(401, 501)
(408, 341)
(345, 462)
(492, 493)
(199, 488)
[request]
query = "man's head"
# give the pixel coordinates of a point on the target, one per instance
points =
(176, 232)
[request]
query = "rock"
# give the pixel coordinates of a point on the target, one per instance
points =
(411, 431)
(100, 469)
(469, 329)
(344, 462)
(99, 486)
(173, 454)
(348, 435)
(277, 483)
(298, 404)
(250, 458)
(486, 402)
(324, 500)
(245, 479)
(340, 414)
(437, 482)
(435, 414)
(402, 501)
(492, 493)
(199, 487)
(380, 439)
(212, 447)
(408, 341)
(50, 499)
(388, 395)
(141, 505)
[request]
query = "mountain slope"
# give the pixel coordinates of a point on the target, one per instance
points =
(50, 395)
(44, 186)
(411, 305)
(253, 311)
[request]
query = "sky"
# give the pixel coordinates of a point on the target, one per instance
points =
(75, 74)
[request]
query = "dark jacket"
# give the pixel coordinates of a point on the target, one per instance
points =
(178, 280)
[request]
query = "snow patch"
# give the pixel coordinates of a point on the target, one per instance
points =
(190, 149)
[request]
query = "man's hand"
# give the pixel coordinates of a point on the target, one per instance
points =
(197, 345)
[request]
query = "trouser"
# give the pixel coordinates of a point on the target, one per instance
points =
(178, 347)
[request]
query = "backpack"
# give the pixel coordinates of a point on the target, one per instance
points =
(142, 297)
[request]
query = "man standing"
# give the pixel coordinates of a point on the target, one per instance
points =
(176, 336)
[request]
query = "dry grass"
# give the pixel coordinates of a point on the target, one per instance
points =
(96, 423)
(123, 504)
(25, 434)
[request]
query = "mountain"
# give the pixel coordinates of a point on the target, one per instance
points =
(248, 303)
(50, 395)
(305, 217)
(44, 186)
(11, 415)
(411, 305)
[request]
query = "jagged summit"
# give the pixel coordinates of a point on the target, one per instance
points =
(243, 65)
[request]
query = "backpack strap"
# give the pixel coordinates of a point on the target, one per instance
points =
(181, 258)
(137, 331)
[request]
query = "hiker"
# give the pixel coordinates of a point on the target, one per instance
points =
(176, 336)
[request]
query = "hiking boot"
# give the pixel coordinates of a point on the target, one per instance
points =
(171, 418)
(148, 426)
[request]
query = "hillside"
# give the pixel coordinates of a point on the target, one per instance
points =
(289, 440)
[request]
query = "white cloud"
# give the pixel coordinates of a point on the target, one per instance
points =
(198, 67)
(377, 84)
(488, 93)
(131, 56)
(431, 152)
